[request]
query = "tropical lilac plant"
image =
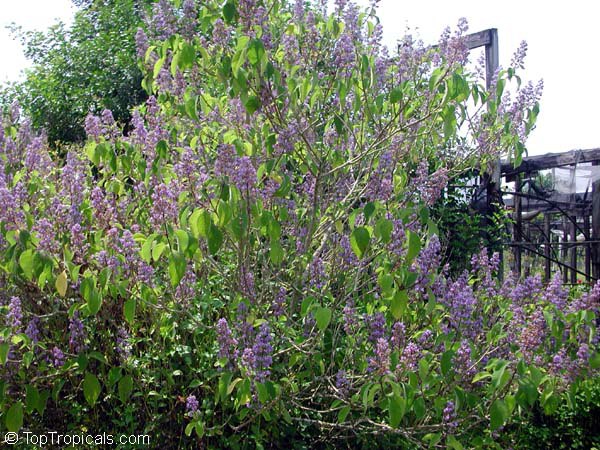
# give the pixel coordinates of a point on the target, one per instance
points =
(253, 256)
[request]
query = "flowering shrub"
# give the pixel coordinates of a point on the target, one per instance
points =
(252, 260)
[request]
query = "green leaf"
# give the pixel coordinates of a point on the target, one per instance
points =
(395, 95)
(129, 310)
(229, 12)
(498, 414)
(94, 302)
(187, 56)
(158, 250)
(453, 443)
(224, 382)
(125, 388)
(256, 51)
(252, 104)
(414, 246)
(61, 283)
(305, 306)
(399, 302)
(446, 363)
(146, 250)
(4, 348)
(323, 317)
(177, 266)
(359, 241)
(383, 229)
(397, 408)
(91, 388)
(343, 413)
(215, 239)
(183, 239)
(32, 398)
(500, 376)
(191, 107)
(14, 417)
(386, 282)
(276, 253)
(368, 210)
(26, 263)
(419, 408)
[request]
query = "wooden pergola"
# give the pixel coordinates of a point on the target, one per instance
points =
(559, 228)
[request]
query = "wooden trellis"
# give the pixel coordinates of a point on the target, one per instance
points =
(562, 230)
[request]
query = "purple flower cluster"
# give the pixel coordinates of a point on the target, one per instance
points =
(57, 358)
(350, 318)
(123, 344)
(462, 303)
(163, 208)
(247, 286)
(46, 233)
(317, 278)
(14, 317)
(409, 358)
(556, 294)
(104, 208)
(398, 335)
(191, 406)
(77, 334)
(263, 353)
(376, 327)
(227, 343)
(342, 384)
(463, 363)
(240, 170)
(380, 363)
(449, 415)
(427, 263)
(533, 335)
(279, 303)
(429, 187)
(33, 330)
(380, 185)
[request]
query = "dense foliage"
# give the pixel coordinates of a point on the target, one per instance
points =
(86, 67)
(253, 263)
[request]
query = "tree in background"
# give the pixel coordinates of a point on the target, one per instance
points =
(85, 68)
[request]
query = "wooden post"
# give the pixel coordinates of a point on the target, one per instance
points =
(596, 227)
(563, 250)
(573, 226)
(494, 198)
(518, 232)
(547, 249)
(588, 248)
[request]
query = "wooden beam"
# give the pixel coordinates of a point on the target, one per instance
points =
(573, 250)
(481, 38)
(550, 160)
(563, 250)
(588, 248)
(548, 239)
(596, 228)
(518, 235)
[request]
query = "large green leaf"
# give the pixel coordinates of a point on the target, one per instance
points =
(215, 239)
(256, 51)
(14, 417)
(91, 388)
(498, 414)
(125, 388)
(177, 265)
(397, 409)
(359, 241)
(323, 317)
(414, 246)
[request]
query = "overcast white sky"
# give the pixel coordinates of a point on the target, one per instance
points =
(562, 37)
